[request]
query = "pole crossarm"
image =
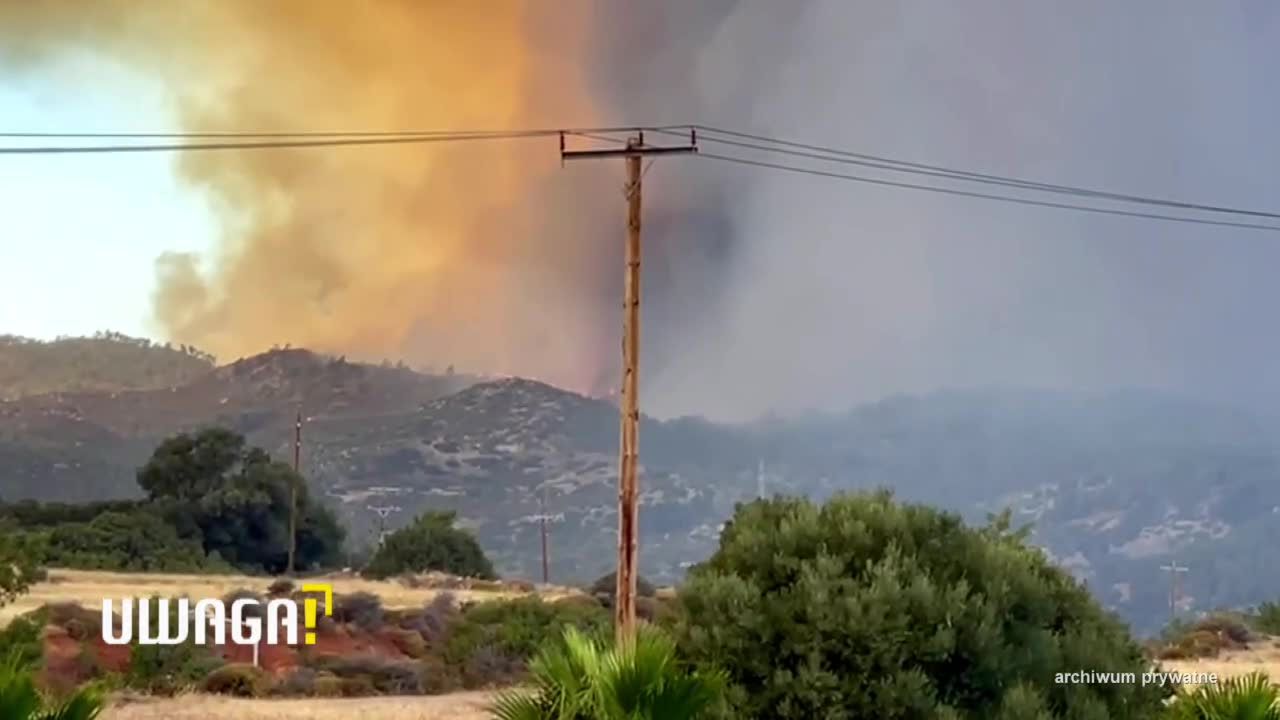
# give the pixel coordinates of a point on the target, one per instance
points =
(635, 148)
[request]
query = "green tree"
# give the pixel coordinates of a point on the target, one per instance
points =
(138, 541)
(20, 700)
(19, 563)
(235, 499)
(431, 542)
(581, 678)
(865, 607)
(607, 584)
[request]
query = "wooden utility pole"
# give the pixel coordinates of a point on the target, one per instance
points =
(293, 493)
(629, 441)
(1175, 586)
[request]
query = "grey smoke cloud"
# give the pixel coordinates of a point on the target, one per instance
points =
(782, 292)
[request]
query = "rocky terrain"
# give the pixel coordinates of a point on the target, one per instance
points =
(1116, 485)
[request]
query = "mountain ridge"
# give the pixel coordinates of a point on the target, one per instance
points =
(1115, 483)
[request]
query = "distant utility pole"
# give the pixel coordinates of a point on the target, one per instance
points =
(383, 512)
(542, 521)
(629, 445)
(293, 492)
(760, 480)
(1175, 586)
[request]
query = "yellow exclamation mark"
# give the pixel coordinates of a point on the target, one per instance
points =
(309, 609)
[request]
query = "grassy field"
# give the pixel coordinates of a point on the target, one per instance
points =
(473, 705)
(455, 706)
(1262, 657)
(89, 588)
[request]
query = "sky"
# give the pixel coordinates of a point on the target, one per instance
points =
(764, 291)
(82, 233)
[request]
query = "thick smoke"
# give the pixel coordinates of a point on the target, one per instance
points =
(762, 290)
(486, 256)
(833, 293)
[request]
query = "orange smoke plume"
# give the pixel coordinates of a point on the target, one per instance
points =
(479, 254)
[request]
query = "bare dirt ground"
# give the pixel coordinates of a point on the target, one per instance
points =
(454, 706)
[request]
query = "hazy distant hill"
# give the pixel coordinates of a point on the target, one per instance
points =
(1116, 484)
(105, 362)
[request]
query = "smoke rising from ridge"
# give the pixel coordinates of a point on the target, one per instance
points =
(762, 290)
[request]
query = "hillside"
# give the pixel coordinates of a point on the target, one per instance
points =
(1115, 484)
(106, 362)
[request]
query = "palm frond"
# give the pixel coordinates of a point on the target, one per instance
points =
(1251, 697)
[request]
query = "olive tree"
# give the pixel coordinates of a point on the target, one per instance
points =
(867, 607)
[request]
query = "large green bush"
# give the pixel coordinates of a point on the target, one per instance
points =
(491, 642)
(431, 542)
(868, 608)
(135, 541)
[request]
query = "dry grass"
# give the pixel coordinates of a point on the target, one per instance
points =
(455, 706)
(89, 588)
(1259, 657)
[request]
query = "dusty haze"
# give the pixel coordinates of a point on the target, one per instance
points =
(764, 291)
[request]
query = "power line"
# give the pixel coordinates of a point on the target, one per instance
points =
(239, 141)
(265, 144)
(886, 163)
(339, 133)
(270, 140)
(988, 196)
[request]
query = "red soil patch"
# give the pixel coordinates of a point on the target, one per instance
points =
(66, 658)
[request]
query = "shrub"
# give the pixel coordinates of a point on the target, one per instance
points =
(438, 677)
(1266, 618)
(280, 588)
(327, 685)
(300, 682)
(257, 611)
(22, 640)
(431, 542)
(169, 669)
(364, 610)
(433, 620)
(361, 686)
(137, 540)
(490, 667)
(409, 642)
(607, 585)
(238, 679)
(389, 677)
(865, 607)
(1232, 628)
(80, 622)
(492, 640)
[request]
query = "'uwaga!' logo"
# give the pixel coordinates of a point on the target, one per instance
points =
(246, 627)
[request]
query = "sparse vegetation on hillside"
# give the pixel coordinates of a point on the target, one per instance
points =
(106, 362)
(867, 607)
